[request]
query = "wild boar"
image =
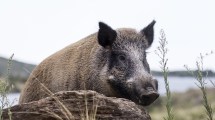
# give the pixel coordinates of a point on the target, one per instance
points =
(111, 62)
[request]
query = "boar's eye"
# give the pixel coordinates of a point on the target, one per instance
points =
(121, 57)
(122, 60)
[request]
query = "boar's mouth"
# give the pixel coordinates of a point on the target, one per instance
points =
(146, 96)
(144, 99)
(147, 99)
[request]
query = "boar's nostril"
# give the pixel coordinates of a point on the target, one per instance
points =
(149, 89)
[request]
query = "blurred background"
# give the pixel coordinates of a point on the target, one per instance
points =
(33, 30)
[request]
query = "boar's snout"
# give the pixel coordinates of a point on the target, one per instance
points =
(147, 91)
(149, 96)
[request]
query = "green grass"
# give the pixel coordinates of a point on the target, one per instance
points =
(201, 82)
(183, 114)
(5, 87)
(162, 54)
(187, 105)
(192, 113)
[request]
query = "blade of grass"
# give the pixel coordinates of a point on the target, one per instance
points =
(162, 54)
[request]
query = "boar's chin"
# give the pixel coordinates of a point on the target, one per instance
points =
(141, 102)
(147, 100)
(144, 103)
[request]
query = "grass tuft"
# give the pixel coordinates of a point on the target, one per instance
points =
(162, 54)
(5, 87)
(201, 82)
(86, 115)
(64, 110)
(89, 114)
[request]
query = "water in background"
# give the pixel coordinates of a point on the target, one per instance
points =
(177, 84)
(181, 84)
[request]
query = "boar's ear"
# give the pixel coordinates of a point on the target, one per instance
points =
(106, 35)
(148, 32)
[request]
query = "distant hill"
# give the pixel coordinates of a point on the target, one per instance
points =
(17, 69)
(19, 73)
(208, 73)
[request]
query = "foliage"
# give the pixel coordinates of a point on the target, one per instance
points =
(162, 52)
(201, 84)
(187, 105)
(5, 86)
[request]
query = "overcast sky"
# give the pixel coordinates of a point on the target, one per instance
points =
(33, 30)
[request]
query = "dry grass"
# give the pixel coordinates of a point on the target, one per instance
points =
(5, 87)
(85, 115)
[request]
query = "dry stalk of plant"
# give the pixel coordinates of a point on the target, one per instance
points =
(65, 111)
(162, 54)
(200, 78)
